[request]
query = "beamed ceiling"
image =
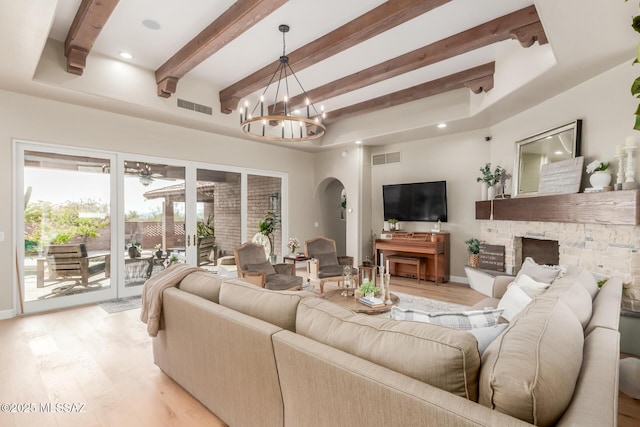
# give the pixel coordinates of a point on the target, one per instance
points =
(406, 64)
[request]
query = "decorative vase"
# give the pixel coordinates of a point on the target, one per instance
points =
(473, 260)
(273, 258)
(159, 254)
(491, 192)
(133, 252)
(293, 250)
(484, 190)
(600, 179)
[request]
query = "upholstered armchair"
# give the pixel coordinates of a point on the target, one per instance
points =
(254, 267)
(327, 265)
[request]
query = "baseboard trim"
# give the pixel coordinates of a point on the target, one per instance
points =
(458, 279)
(7, 314)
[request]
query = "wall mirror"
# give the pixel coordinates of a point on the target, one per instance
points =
(554, 145)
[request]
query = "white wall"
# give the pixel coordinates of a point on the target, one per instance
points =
(40, 120)
(604, 103)
(453, 158)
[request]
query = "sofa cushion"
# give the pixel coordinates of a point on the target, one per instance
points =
(265, 266)
(607, 301)
(539, 273)
(278, 308)
(458, 320)
(203, 284)
(442, 357)
(530, 371)
(513, 302)
(577, 298)
(575, 274)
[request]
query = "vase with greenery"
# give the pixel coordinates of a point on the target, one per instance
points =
(488, 179)
(268, 225)
(600, 176)
(473, 248)
(158, 249)
(393, 224)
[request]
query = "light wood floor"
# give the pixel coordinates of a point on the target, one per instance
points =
(103, 362)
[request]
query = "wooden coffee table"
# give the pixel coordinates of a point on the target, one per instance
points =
(350, 303)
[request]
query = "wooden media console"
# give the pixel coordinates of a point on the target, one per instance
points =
(430, 249)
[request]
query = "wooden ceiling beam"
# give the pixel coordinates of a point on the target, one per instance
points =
(241, 16)
(478, 79)
(523, 24)
(378, 20)
(91, 17)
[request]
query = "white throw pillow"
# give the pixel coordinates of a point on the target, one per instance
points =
(530, 286)
(457, 320)
(485, 336)
(513, 301)
(540, 273)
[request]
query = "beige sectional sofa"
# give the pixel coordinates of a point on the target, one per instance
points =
(262, 358)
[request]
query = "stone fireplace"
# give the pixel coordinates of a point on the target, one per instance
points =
(598, 231)
(605, 249)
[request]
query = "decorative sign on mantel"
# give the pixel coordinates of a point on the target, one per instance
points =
(491, 257)
(561, 177)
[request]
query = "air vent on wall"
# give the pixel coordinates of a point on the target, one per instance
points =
(383, 159)
(195, 107)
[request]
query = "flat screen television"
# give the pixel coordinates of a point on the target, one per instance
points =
(420, 201)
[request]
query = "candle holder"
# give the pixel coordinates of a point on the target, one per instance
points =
(382, 280)
(630, 182)
(387, 289)
(620, 177)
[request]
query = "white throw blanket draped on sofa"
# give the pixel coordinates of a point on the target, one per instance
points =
(152, 294)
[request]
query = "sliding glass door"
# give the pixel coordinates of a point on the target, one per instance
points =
(154, 229)
(95, 226)
(66, 201)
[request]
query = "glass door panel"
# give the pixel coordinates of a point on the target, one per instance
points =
(66, 228)
(154, 221)
(264, 213)
(218, 211)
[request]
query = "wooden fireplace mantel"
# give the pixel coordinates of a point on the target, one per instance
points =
(610, 207)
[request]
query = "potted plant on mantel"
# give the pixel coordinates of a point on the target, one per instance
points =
(488, 181)
(473, 248)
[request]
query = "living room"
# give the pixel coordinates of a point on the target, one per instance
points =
(596, 75)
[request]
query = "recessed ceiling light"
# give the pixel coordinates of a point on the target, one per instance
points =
(558, 152)
(125, 55)
(151, 24)
(442, 125)
(358, 142)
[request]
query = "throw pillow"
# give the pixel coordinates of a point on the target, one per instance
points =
(457, 320)
(485, 336)
(327, 259)
(539, 273)
(530, 286)
(263, 266)
(513, 301)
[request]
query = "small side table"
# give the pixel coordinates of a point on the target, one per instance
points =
(294, 258)
(371, 272)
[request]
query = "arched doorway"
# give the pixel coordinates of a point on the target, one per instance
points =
(333, 200)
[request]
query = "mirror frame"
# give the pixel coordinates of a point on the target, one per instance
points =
(576, 126)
